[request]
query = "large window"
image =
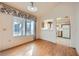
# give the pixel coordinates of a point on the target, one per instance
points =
(23, 27)
(17, 26)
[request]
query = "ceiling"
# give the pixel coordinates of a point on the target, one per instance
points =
(44, 8)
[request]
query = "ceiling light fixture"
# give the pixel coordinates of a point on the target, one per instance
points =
(31, 7)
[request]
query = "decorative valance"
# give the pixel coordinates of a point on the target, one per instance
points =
(15, 12)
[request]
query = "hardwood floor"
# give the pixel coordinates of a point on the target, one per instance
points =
(40, 48)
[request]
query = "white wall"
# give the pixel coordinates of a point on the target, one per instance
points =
(49, 35)
(6, 33)
(62, 10)
(77, 28)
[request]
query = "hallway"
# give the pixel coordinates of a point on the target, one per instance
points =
(40, 48)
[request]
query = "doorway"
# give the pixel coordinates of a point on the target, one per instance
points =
(63, 30)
